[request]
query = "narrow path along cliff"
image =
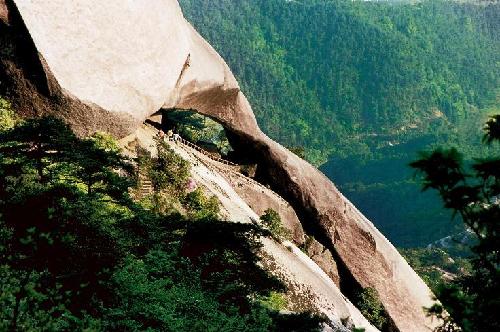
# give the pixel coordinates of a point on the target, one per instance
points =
(309, 286)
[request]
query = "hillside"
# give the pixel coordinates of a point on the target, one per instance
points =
(363, 86)
(83, 247)
(160, 64)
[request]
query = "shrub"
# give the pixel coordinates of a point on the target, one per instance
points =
(272, 221)
(368, 302)
(275, 301)
(168, 171)
(200, 206)
(7, 116)
(105, 141)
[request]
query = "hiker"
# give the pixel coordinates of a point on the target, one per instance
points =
(177, 137)
(161, 135)
(191, 185)
(170, 133)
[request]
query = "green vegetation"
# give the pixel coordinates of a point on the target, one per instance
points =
(78, 254)
(368, 302)
(360, 68)
(275, 301)
(300, 151)
(363, 85)
(471, 191)
(200, 206)
(436, 266)
(167, 172)
(7, 116)
(198, 129)
(272, 221)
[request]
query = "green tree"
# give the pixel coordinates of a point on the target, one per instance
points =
(272, 221)
(37, 145)
(74, 259)
(58, 246)
(472, 301)
(168, 171)
(169, 175)
(200, 206)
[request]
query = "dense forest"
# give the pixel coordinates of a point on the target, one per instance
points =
(82, 250)
(363, 86)
(471, 191)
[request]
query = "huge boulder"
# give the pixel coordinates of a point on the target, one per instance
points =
(109, 65)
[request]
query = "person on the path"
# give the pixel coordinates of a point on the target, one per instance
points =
(191, 185)
(177, 137)
(161, 135)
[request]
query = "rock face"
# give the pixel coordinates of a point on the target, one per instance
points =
(109, 65)
(323, 257)
(259, 198)
(4, 13)
(309, 288)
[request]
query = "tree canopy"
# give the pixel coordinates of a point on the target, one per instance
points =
(362, 86)
(77, 252)
(473, 192)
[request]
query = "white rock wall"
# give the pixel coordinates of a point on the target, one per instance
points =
(122, 55)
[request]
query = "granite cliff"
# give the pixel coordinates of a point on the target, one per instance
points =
(111, 65)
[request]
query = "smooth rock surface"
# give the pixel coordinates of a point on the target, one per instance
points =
(124, 56)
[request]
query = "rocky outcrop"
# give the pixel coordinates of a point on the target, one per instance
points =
(322, 257)
(27, 80)
(4, 13)
(309, 289)
(260, 198)
(109, 65)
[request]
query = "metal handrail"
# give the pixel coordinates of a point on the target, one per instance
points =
(226, 162)
(197, 148)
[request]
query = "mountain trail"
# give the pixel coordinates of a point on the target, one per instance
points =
(308, 283)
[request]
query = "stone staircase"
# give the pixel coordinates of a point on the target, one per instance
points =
(145, 186)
